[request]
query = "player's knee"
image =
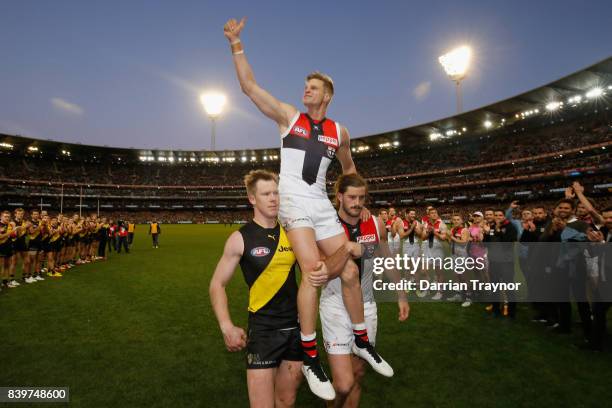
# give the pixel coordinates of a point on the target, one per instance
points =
(285, 398)
(343, 386)
(307, 268)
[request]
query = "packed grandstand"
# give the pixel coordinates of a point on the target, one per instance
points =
(529, 148)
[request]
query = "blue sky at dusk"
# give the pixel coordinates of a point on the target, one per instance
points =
(129, 73)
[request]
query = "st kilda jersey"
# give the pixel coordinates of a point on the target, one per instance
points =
(407, 225)
(308, 147)
(268, 266)
(367, 234)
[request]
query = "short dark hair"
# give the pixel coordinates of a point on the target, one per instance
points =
(349, 180)
(569, 201)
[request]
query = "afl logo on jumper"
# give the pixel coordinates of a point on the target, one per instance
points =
(300, 131)
(331, 152)
(260, 251)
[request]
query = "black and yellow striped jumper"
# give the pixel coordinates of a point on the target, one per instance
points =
(268, 266)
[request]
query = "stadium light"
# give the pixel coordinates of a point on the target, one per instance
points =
(594, 93)
(553, 106)
(213, 103)
(488, 124)
(456, 64)
(6, 145)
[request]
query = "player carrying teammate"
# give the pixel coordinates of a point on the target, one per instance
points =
(347, 372)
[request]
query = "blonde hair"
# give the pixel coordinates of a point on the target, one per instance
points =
(328, 83)
(251, 179)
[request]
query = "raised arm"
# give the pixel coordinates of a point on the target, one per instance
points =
(579, 190)
(278, 111)
(234, 337)
(344, 153)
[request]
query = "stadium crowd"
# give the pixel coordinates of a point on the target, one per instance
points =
(503, 236)
(476, 156)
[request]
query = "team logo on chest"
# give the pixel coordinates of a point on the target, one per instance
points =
(300, 131)
(260, 251)
(331, 152)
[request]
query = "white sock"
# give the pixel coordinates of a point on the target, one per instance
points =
(359, 326)
(308, 337)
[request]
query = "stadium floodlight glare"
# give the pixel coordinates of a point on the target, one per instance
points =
(594, 93)
(6, 145)
(33, 148)
(396, 143)
(553, 106)
(456, 64)
(435, 136)
(213, 103)
(488, 124)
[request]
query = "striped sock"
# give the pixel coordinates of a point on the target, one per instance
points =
(309, 344)
(361, 333)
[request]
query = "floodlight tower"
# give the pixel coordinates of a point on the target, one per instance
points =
(456, 64)
(213, 103)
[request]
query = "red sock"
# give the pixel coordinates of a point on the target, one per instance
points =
(310, 348)
(361, 334)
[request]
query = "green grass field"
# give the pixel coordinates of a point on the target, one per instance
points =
(138, 331)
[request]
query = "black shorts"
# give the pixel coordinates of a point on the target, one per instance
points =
(20, 245)
(266, 348)
(35, 245)
(6, 250)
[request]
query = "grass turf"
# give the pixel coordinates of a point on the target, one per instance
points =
(138, 330)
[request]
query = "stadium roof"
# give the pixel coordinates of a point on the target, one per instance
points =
(589, 85)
